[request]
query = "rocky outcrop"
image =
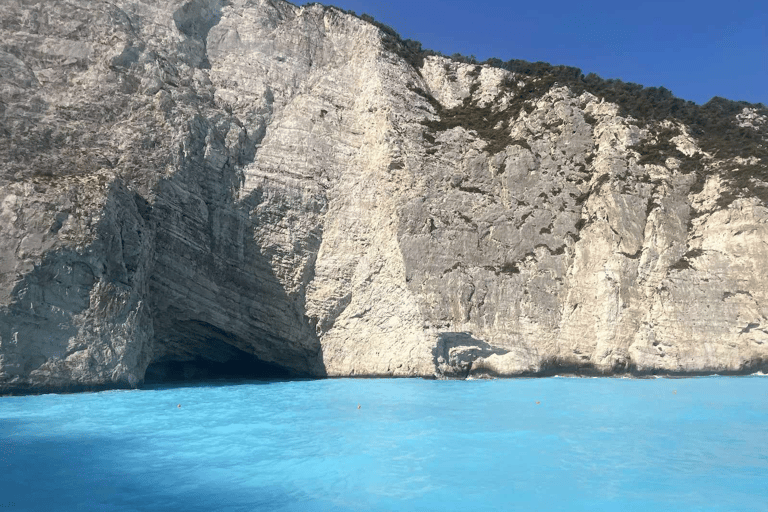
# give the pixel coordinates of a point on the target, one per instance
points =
(215, 181)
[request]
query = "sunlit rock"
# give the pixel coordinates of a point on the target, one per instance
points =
(186, 185)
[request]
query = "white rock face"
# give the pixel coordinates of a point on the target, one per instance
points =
(750, 117)
(204, 180)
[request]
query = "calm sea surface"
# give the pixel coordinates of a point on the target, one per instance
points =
(558, 444)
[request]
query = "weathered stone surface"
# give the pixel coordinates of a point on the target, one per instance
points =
(186, 181)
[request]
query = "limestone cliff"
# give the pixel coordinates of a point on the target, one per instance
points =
(219, 180)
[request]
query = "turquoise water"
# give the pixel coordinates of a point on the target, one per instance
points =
(414, 445)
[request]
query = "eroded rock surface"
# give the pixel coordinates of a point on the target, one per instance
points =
(193, 180)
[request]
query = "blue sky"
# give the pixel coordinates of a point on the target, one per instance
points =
(696, 49)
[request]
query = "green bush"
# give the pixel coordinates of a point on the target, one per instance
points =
(712, 124)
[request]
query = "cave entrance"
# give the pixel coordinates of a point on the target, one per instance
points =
(194, 351)
(219, 361)
(247, 367)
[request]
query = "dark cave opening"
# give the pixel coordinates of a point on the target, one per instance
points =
(242, 367)
(197, 351)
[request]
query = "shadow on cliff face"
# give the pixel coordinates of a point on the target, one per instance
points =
(455, 352)
(73, 303)
(219, 308)
(195, 19)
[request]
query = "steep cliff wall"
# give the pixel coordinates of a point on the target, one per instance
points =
(214, 180)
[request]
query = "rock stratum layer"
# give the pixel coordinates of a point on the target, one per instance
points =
(211, 181)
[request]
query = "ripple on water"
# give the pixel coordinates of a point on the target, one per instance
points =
(542, 444)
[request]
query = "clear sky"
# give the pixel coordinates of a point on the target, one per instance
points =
(696, 49)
